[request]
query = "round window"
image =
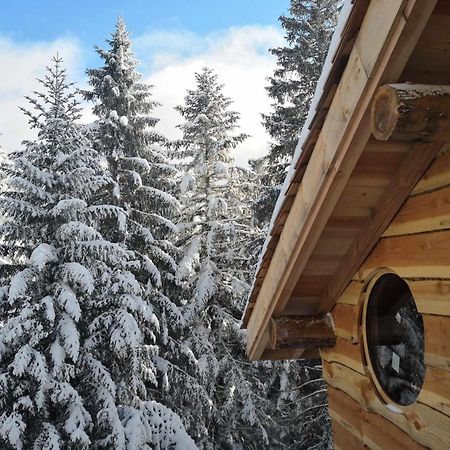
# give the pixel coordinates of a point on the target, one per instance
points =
(394, 340)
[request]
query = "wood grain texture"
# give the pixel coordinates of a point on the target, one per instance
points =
(437, 341)
(423, 213)
(412, 256)
(371, 430)
(436, 390)
(345, 353)
(291, 332)
(431, 296)
(411, 170)
(343, 438)
(437, 175)
(411, 112)
(345, 319)
(422, 423)
(352, 294)
(347, 350)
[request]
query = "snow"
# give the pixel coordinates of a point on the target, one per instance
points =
(190, 260)
(126, 334)
(19, 284)
(335, 41)
(11, 429)
(22, 360)
(40, 175)
(68, 300)
(137, 180)
(58, 355)
(141, 163)
(186, 183)
(220, 168)
(413, 91)
(128, 283)
(23, 185)
(53, 441)
(49, 309)
(153, 271)
(122, 220)
(78, 274)
(78, 230)
(167, 431)
(69, 205)
(216, 206)
(70, 338)
(163, 196)
(42, 255)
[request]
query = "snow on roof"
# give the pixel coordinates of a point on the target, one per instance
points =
(318, 95)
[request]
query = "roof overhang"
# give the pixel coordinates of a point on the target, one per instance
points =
(344, 187)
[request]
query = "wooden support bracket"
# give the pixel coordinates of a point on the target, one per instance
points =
(411, 112)
(302, 332)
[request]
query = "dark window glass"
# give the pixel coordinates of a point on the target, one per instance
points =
(395, 339)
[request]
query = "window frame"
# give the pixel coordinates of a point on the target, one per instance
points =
(387, 401)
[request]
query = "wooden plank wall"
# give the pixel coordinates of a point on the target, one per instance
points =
(416, 246)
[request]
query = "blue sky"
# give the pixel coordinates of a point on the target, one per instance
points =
(172, 39)
(90, 21)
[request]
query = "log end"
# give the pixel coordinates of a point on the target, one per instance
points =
(384, 113)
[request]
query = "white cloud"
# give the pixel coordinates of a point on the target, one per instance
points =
(169, 60)
(21, 65)
(238, 55)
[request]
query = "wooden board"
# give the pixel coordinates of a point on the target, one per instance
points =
(423, 213)
(431, 296)
(371, 429)
(436, 390)
(415, 163)
(345, 319)
(345, 411)
(437, 341)
(343, 438)
(436, 328)
(352, 294)
(421, 422)
(413, 256)
(437, 176)
(429, 61)
(345, 353)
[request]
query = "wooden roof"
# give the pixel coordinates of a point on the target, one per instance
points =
(339, 62)
(346, 186)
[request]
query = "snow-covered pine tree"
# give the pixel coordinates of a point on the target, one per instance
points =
(144, 179)
(74, 355)
(137, 155)
(288, 397)
(6, 268)
(308, 31)
(298, 385)
(214, 276)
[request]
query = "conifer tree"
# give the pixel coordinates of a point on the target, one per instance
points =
(308, 31)
(144, 180)
(75, 348)
(297, 386)
(137, 156)
(227, 410)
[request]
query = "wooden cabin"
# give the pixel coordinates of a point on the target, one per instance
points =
(356, 269)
